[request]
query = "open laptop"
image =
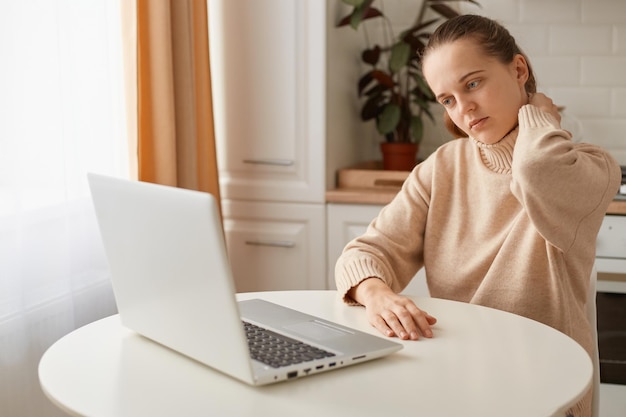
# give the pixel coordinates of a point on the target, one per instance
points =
(173, 284)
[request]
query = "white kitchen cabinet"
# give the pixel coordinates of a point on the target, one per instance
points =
(268, 69)
(611, 252)
(348, 221)
(275, 246)
(611, 245)
(345, 222)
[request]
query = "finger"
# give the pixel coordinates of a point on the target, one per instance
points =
(431, 319)
(409, 321)
(393, 321)
(422, 320)
(381, 325)
(424, 325)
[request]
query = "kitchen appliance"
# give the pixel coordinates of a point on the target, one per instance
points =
(611, 315)
(621, 194)
(611, 294)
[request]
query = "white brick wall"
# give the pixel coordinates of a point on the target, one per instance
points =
(578, 51)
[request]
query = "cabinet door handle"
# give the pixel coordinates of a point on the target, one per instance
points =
(275, 243)
(279, 162)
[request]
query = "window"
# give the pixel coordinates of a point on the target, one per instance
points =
(62, 114)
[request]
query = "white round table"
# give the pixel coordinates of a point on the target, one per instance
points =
(481, 362)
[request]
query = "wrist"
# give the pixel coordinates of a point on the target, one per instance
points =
(367, 288)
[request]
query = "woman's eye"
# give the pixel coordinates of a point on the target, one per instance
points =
(446, 102)
(473, 84)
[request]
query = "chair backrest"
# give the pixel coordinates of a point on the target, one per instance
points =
(595, 358)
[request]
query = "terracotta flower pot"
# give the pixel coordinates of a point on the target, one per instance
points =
(399, 156)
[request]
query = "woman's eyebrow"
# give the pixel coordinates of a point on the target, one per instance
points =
(469, 74)
(463, 78)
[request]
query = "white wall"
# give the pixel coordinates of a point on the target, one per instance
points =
(577, 48)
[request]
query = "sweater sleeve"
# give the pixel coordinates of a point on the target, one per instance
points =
(386, 250)
(559, 183)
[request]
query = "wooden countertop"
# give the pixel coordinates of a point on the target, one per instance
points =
(617, 207)
(366, 183)
(382, 197)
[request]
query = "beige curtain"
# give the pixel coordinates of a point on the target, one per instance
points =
(175, 134)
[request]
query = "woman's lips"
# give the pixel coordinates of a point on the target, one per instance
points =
(477, 123)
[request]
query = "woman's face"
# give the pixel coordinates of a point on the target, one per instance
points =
(481, 95)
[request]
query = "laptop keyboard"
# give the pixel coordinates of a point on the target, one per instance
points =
(276, 350)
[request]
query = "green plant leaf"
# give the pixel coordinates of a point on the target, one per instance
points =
(388, 119)
(423, 87)
(372, 108)
(416, 129)
(430, 115)
(424, 108)
(376, 90)
(400, 53)
(362, 11)
(354, 3)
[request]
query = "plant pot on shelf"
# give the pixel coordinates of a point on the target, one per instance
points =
(398, 156)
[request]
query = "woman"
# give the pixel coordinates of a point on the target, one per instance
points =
(505, 217)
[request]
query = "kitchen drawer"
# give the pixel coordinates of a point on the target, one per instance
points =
(348, 221)
(611, 245)
(275, 246)
(612, 238)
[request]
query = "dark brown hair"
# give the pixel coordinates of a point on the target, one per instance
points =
(493, 38)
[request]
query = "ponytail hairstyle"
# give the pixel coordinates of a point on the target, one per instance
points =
(493, 38)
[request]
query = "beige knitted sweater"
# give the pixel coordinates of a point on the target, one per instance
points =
(511, 226)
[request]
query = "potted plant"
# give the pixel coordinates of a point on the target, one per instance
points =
(393, 88)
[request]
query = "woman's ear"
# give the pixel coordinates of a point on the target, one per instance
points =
(520, 66)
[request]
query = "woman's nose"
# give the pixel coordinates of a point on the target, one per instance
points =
(466, 105)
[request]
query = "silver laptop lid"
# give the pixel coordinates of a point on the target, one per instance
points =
(152, 233)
